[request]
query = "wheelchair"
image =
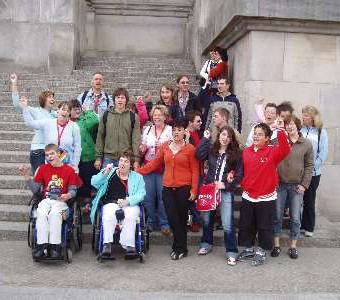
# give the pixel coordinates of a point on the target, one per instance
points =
(71, 231)
(141, 236)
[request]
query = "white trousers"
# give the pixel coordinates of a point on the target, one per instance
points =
(127, 235)
(49, 221)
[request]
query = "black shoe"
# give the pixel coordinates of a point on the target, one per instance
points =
(38, 251)
(106, 249)
(275, 252)
(179, 255)
(54, 251)
(293, 254)
(246, 254)
(130, 253)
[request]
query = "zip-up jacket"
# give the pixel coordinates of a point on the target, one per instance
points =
(260, 167)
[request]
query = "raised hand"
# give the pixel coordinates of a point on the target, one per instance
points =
(25, 171)
(14, 78)
(24, 102)
(207, 134)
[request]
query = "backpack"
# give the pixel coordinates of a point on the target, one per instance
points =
(106, 98)
(132, 118)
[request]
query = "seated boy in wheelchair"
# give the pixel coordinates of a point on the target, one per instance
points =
(59, 183)
(120, 190)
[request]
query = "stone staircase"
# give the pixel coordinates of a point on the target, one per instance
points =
(137, 74)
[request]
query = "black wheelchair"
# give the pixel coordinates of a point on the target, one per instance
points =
(71, 231)
(142, 236)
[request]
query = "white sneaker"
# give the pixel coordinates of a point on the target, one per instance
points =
(308, 233)
(231, 261)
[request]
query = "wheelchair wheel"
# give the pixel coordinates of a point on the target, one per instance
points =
(142, 258)
(30, 235)
(69, 255)
(145, 232)
(95, 233)
(77, 239)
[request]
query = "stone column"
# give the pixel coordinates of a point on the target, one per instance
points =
(39, 35)
(284, 51)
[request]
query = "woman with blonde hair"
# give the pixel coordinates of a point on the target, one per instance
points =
(152, 138)
(313, 130)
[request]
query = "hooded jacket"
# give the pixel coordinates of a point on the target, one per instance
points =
(118, 136)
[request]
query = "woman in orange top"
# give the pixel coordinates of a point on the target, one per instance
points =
(180, 184)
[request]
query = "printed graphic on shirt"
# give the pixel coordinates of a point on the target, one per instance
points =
(63, 156)
(54, 187)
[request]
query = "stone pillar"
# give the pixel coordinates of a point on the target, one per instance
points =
(283, 52)
(39, 35)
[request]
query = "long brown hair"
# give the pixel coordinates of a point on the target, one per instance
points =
(233, 149)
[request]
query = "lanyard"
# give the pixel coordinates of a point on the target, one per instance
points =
(158, 137)
(61, 132)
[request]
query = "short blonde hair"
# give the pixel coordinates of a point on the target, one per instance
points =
(162, 108)
(315, 114)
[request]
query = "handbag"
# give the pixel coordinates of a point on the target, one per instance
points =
(208, 197)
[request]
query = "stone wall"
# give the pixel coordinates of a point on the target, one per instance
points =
(40, 35)
(147, 28)
(282, 52)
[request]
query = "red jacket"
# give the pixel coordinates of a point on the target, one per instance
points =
(221, 69)
(260, 168)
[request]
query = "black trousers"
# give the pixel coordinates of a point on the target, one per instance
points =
(257, 219)
(86, 171)
(176, 205)
(308, 213)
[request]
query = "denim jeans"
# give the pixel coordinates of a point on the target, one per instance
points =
(227, 217)
(154, 187)
(37, 158)
(107, 160)
(288, 191)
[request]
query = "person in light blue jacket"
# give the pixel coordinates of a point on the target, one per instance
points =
(118, 189)
(41, 112)
(313, 130)
(60, 131)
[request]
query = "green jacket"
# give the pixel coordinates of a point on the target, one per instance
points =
(88, 124)
(118, 135)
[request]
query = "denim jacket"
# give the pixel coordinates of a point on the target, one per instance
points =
(311, 133)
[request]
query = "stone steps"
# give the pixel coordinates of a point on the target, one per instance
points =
(13, 145)
(14, 126)
(14, 182)
(15, 197)
(15, 231)
(15, 136)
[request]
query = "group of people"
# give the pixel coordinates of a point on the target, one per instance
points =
(161, 153)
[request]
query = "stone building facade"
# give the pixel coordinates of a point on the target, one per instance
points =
(283, 50)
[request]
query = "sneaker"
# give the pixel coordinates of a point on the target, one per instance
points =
(246, 254)
(308, 233)
(204, 251)
(231, 261)
(179, 255)
(130, 250)
(172, 254)
(54, 251)
(275, 252)
(195, 227)
(259, 259)
(293, 254)
(38, 251)
(106, 249)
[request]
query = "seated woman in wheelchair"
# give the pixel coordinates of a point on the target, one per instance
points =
(59, 183)
(120, 190)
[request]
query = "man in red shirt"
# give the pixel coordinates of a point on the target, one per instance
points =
(59, 184)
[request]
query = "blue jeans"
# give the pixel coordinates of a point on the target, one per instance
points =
(107, 160)
(37, 158)
(288, 191)
(154, 187)
(227, 217)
